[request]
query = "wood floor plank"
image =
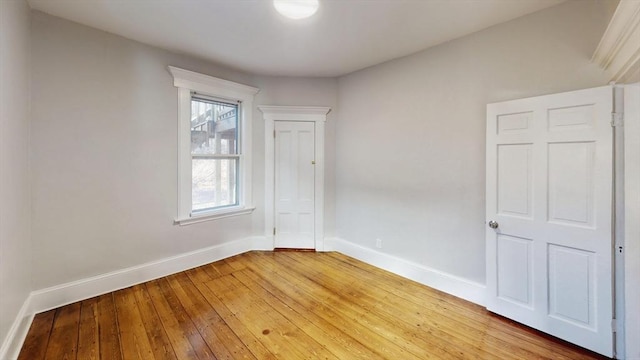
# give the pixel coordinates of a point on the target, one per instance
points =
(35, 345)
(218, 269)
(63, 343)
(377, 345)
(236, 262)
(89, 332)
(312, 324)
(185, 338)
(158, 339)
(284, 305)
(220, 338)
(283, 338)
(311, 339)
(317, 288)
(251, 340)
(198, 275)
(108, 329)
(133, 336)
(348, 319)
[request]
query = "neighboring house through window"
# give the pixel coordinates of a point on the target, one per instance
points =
(214, 147)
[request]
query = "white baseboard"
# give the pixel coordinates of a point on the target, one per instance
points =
(18, 332)
(60, 295)
(451, 284)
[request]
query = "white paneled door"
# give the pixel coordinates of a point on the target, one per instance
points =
(549, 242)
(294, 184)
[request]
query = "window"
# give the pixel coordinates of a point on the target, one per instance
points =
(214, 147)
(214, 154)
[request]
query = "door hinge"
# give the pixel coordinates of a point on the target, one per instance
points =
(274, 134)
(274, 231)
(617, 119)
(614, 325)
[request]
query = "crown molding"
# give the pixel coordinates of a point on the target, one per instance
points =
(619, 48)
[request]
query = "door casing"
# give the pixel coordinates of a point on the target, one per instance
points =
(318, 115)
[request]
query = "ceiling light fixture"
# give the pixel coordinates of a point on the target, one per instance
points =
(296, 9)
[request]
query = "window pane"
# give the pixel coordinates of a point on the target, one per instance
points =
(213, 127)
(214, 183)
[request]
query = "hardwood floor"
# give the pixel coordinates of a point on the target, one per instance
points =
(284, 305)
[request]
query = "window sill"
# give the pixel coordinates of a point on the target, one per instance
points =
(214, 215)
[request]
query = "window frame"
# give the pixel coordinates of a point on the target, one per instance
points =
(188, 82)
(235, 155)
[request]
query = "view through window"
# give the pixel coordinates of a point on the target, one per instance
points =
(215, 157)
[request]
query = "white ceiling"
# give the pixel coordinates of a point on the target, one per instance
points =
(249, 35)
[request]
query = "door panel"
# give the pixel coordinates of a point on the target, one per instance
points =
(294, 185)
(549, 183)
(515, 180)
(515, 278)
(571, 284)
(571, 183)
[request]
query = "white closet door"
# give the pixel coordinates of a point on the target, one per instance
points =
(294, 185)
(549, 184)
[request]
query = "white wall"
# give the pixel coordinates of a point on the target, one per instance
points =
(410, 141)
(104, 152)
(15, 244)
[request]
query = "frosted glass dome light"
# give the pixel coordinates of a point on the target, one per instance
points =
(296, 9)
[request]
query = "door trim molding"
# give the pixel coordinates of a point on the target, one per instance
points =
(318, 115)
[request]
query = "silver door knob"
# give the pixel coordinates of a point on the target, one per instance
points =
(493, 224)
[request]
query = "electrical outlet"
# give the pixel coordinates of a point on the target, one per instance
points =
(379, 243)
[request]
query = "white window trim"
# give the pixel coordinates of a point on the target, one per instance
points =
(187, 81)
(315, 114)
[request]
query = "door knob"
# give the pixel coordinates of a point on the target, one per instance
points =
(493, 224)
